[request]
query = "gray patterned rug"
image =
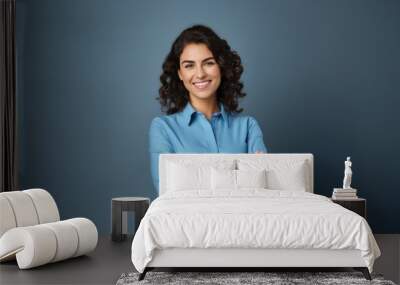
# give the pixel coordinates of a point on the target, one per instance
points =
(270, 278)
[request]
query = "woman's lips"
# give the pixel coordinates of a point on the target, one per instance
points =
(202, 84)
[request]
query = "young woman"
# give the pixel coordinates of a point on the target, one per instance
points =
(200, 89)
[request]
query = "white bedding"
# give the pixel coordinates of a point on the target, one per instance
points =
(250, 218)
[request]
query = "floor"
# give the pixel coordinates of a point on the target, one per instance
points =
(110, 260)
(103, 266)
(389, 262)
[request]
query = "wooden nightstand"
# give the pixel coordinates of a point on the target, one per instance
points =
(358, 206)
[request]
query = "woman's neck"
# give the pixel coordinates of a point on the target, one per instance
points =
(206, 106)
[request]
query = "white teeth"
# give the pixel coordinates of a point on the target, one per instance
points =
(202, 84)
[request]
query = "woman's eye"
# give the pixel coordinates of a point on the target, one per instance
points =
(188, 66)
(210, 63)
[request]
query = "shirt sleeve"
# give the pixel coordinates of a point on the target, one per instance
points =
(158, 143)
(255, 141)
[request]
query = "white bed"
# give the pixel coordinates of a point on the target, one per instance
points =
(249, 210)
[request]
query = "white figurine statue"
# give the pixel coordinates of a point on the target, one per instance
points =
(347, 174)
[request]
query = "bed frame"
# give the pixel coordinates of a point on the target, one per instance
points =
(242, 259)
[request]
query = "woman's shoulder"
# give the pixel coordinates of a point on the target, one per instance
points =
(243, 118)
(163, 121)
(158, 121)
(165, 118)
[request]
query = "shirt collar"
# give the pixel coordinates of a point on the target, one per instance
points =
(188, 113)
(224, 114)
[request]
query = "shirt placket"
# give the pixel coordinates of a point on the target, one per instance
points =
(212, 142)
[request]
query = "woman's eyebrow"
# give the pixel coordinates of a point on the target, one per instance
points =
(208, 58)
(192, 61)
(187, 61)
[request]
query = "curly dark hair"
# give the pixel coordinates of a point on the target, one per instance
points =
(173, 95)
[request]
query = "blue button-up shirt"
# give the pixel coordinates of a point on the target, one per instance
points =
(190, 131)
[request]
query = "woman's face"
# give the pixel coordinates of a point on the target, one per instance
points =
(199, 71)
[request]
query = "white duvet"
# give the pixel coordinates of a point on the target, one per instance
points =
(250, 218)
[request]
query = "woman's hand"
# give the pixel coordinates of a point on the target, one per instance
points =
(259, 152)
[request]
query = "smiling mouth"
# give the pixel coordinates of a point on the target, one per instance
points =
(202, 84)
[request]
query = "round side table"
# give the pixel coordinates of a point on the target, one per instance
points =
(119, 208)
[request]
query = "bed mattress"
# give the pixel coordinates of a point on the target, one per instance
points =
(250, 219)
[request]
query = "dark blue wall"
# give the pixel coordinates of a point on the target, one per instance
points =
(321, 76)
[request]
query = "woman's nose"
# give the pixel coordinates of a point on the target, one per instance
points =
(200, 72)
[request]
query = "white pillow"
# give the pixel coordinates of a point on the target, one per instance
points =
(237, 179)
(223, 179)
(251, 178)
(281, 175)
(294, 179)
(188, 175)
